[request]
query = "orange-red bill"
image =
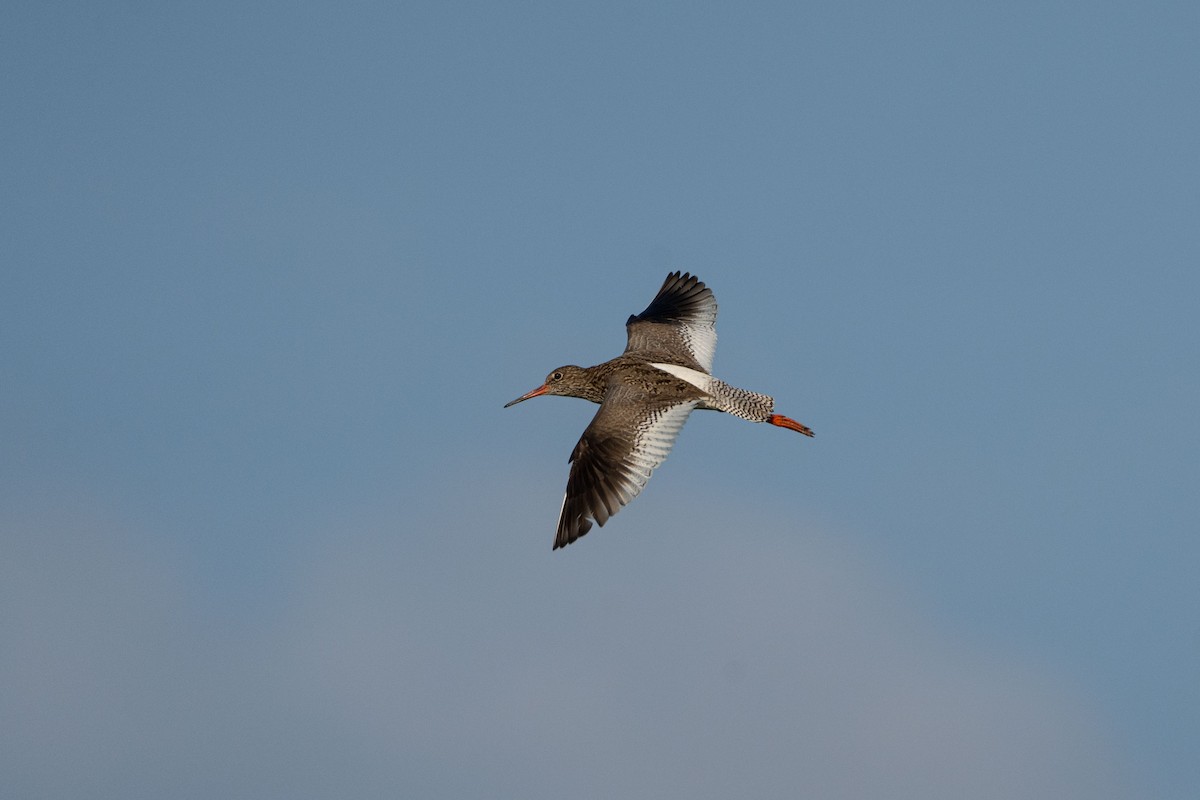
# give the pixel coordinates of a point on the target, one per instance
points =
(539, 390)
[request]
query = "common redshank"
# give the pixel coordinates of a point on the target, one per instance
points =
(645, 396)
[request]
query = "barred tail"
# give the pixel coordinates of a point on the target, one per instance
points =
(742, 403)
(723, 397)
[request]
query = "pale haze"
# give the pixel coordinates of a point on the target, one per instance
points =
(269, 272)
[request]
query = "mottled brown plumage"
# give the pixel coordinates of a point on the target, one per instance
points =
(645, 396)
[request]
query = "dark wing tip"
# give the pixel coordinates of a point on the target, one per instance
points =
(681, 297)
(570, 533)
(574, 522)
(593, 493)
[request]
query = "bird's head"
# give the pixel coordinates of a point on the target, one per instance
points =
(569, 381)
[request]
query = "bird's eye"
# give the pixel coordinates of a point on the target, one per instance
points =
(556, 376)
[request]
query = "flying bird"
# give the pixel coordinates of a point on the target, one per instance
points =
(645, 396)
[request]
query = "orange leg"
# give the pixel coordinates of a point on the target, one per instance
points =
(790, 424)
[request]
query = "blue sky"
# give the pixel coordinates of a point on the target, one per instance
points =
(271, 271)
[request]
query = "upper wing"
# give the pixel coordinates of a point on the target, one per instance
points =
(680, 321)
(629, 437)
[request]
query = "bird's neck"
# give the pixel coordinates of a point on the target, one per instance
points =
(596, 385)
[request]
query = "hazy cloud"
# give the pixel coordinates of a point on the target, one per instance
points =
(405, 657)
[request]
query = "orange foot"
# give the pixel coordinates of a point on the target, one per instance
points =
(790, 424)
